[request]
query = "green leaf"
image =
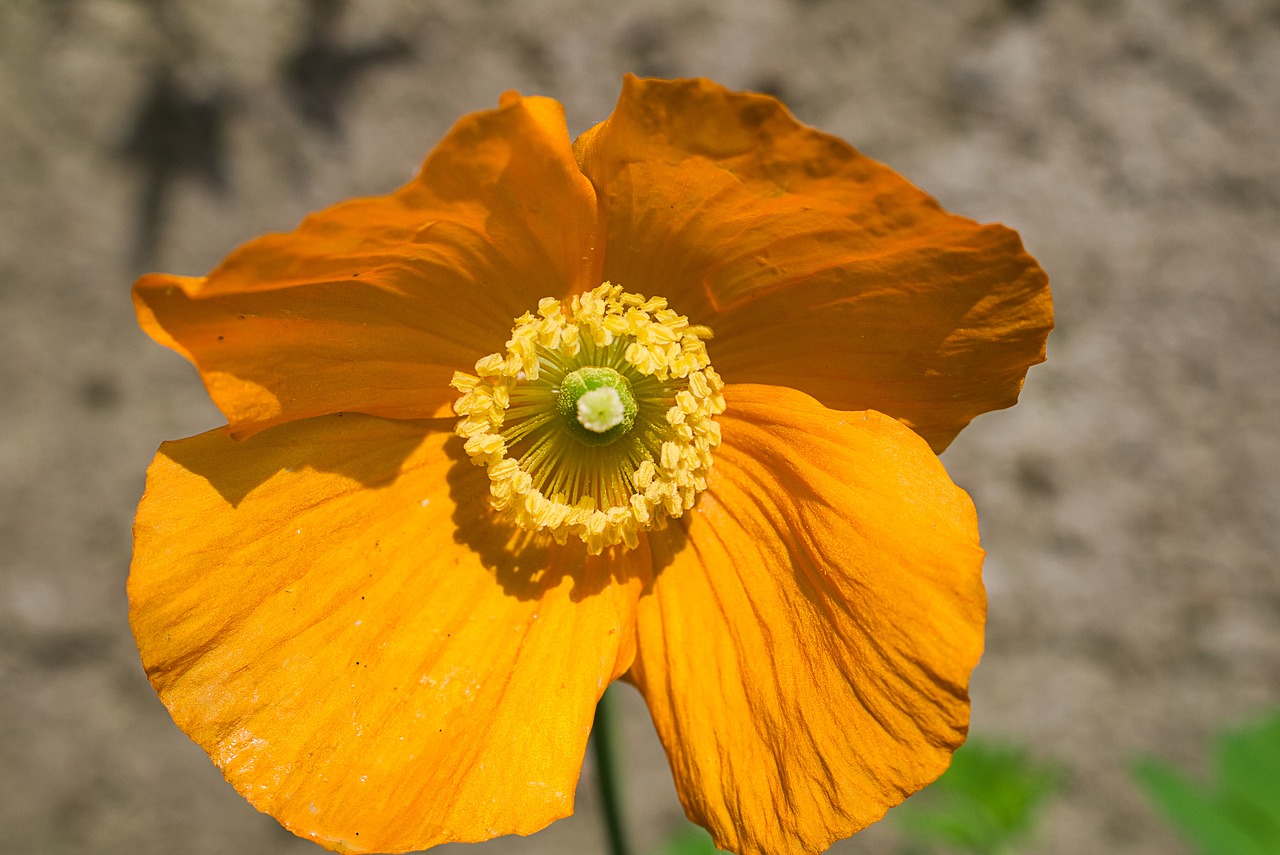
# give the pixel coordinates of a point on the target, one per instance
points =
(1240, 813)
(690, 841)
(1249, 765)
(988, 801)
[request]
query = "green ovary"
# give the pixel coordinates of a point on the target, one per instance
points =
(597, 405)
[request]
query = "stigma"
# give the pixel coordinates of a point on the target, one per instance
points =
(600, 410)
(597, 421)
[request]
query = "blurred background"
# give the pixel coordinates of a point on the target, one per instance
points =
(1130, 504)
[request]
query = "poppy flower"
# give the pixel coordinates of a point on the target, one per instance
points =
(662, 405)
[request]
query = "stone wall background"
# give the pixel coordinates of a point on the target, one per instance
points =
(1130, 504)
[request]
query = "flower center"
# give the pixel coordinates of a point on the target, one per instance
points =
(598, 420)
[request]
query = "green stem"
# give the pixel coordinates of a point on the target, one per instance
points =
(604, 740)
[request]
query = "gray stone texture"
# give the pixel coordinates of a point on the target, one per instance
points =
(1130, 504)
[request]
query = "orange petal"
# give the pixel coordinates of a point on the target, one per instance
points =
(329, 609)
(370, 306)
(816, 267)
(806, 646)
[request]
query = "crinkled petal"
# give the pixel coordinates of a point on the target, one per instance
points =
(806, 646)
(371, 305)
(816, 267)
(329, 609)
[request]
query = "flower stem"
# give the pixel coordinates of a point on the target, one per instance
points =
(604, 739)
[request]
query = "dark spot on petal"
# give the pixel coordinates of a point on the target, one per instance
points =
(756, 113)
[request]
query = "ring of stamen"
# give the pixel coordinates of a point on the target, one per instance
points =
(599, 419)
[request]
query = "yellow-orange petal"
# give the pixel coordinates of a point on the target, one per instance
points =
(329, 610)
(806, 647)
(371, 305)
(818, 268)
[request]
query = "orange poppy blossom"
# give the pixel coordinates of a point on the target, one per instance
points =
(661, 404)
